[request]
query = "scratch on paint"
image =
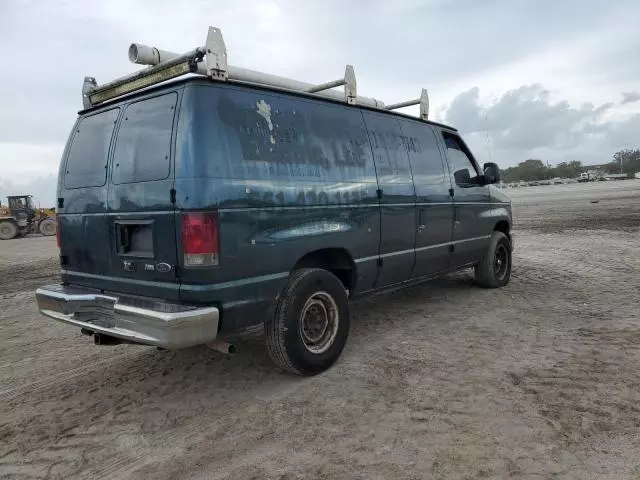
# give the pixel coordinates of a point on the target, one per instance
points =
(264, 110)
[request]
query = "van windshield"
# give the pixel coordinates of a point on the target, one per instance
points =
(87, 159)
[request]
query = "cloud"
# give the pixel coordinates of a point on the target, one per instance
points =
(629, 97)
(526, 122)
(43, 189)
(397, 48)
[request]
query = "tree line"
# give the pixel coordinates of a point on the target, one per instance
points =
(625, 161)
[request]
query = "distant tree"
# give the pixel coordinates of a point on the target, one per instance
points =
(576, 167)
(536, 170)
(533, 169)
(567, 169)
(629, 159)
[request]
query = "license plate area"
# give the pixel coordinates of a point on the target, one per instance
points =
(98, 318)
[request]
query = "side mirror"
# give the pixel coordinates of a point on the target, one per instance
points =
(462, 177)
(491, 173)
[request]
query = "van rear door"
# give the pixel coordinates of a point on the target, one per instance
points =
(133, 240)
(82, 197)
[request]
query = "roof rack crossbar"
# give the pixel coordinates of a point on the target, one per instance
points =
(211, 61)
(349, 82)
(423, 101)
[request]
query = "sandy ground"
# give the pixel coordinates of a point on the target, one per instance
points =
(536, 380)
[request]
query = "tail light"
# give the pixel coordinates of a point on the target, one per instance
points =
(58, 233)
(199, 239)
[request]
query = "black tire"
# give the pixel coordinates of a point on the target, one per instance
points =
(47, 227)
(310, 349)
(8, 230)
(494, 270)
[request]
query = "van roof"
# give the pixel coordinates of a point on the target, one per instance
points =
(204, 81)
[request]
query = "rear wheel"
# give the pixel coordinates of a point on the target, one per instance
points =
(8, 230)
(311, 323)
(47, 227)
(495, 268)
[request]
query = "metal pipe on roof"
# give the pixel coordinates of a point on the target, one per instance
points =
(145, 55)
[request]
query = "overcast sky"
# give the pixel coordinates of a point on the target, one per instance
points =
(556, 80)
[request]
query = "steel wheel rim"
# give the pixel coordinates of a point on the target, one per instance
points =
(48, 227)
(501, 262)
(5, 231)
(319, 322)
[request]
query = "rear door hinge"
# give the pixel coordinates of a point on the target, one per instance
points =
(452, 248)
(60, 202)
(379, 261)
(172, 196)
(451, 192)
(379, 193)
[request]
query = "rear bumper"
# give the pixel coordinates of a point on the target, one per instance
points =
(164, 325)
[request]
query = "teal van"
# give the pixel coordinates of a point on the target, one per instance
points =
(192, 209)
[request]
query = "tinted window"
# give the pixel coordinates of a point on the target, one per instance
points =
(462, 166)
(87, 158)
(426, 160)
(143, 143)
(258, 136)
(389, 152)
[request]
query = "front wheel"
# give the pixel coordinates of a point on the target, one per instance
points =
(494, 270)
(311, 323)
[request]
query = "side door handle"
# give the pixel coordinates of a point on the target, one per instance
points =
(421, 225)
(456, 214)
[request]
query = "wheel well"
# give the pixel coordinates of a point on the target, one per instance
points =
(336, 260)
(503, 226)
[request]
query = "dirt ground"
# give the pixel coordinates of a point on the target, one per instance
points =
(537, 380)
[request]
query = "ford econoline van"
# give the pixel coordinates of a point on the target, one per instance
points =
(202, 207)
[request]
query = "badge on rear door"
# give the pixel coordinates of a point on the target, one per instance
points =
(163, 267)
(128, 266)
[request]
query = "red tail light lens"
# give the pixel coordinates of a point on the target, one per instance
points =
(57, 232)
(200, 239)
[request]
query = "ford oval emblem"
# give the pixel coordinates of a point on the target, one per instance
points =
(163, 267)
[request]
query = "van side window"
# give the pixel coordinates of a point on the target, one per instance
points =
(89, 149)
(143, 142)
(424, 154)
(462, 166)
(257, 136)
(389, 149)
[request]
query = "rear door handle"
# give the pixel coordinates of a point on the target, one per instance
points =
(421, 225)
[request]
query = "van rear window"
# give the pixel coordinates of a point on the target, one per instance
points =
(87, 158)
(143, 142)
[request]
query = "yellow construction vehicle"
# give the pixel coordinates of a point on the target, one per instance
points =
(19, 218)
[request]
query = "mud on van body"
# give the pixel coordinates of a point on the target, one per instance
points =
(196, 210)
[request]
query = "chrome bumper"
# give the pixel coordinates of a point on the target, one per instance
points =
(165, 325)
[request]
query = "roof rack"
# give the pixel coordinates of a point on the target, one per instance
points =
(211, 61)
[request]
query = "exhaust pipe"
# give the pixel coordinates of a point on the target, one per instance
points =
(222, 347)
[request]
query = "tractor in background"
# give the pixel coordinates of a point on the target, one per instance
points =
(19, 218)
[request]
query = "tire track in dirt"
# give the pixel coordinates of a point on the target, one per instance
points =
(195, 432)
(436, 381)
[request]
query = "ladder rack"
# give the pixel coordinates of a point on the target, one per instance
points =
(211, 61)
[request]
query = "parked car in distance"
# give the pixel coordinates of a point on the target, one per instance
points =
(198, 209)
